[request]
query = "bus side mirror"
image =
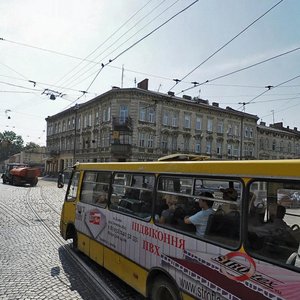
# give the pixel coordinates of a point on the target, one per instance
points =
(60, 180)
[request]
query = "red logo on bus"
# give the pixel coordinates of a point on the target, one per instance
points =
(227, 263)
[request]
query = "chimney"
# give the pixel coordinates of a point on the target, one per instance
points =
(171, 93)
(295, 128)
(262, 123)
(215, 104)
(187, 97)
(143, 84)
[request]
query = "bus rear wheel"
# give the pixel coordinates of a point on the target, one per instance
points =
(164, 289)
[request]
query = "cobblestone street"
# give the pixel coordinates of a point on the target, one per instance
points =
(35, 261)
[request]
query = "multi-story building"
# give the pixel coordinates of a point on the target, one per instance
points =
(277, 141)
(135, 124)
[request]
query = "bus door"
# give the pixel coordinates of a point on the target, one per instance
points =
(69, 206)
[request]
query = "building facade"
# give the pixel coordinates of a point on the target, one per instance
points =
(277, 141)
(33, 157)
(135, 124)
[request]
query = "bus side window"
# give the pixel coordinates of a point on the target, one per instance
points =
(133, 195)
(273, 221)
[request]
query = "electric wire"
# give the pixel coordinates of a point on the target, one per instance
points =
(267, 90)
(107, 48)
(241, 69)
(138, 41)
(227, 43)
(103, 43)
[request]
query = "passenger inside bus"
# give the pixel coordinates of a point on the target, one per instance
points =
(200, 218)
(231, 195)
(256, 211)
(167, 214)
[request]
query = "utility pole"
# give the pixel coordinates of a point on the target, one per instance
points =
(122, 76)
(272, 111)
(242, 129)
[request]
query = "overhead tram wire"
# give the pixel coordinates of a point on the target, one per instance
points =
(137, 42)
(115, 42)
(241, 69)
(89, 55)
(281, 110)
(267, 90)
(226, 44)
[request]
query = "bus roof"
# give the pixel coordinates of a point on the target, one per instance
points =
(288, 168)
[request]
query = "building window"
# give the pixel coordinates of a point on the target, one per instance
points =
(229, 149)
(106, 114)
(90, 120)
(123, 113)
(219, 148)
(187, 120)
(274, 145)
(220, 127)
(151, 115)
(96, 118)
(197, 146)
(175, 119)
(235, 150)
(198, 123)
(251, 132)
(251, 150)
(166, 118)
(142, 114)
(164, 142)
(142, 139)
(246, 132)
(236, 130)
(208, 146)
(150, 142)
(210, 125)
(229, 130)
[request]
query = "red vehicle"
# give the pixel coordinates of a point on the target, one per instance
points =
(20, 174)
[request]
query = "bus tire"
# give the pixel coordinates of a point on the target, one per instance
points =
(163, 289)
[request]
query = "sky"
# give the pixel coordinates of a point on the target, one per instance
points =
(228, 52)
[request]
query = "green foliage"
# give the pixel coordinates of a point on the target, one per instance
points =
(31, 145)
(10, 144)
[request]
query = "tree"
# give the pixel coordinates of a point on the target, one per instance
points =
(10, 144)
(31, 145)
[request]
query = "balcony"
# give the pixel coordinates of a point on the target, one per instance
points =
(122, 124)
(121, 149)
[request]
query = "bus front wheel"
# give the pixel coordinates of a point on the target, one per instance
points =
(164, 289)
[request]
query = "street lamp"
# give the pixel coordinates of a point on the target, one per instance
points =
(76, 107)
